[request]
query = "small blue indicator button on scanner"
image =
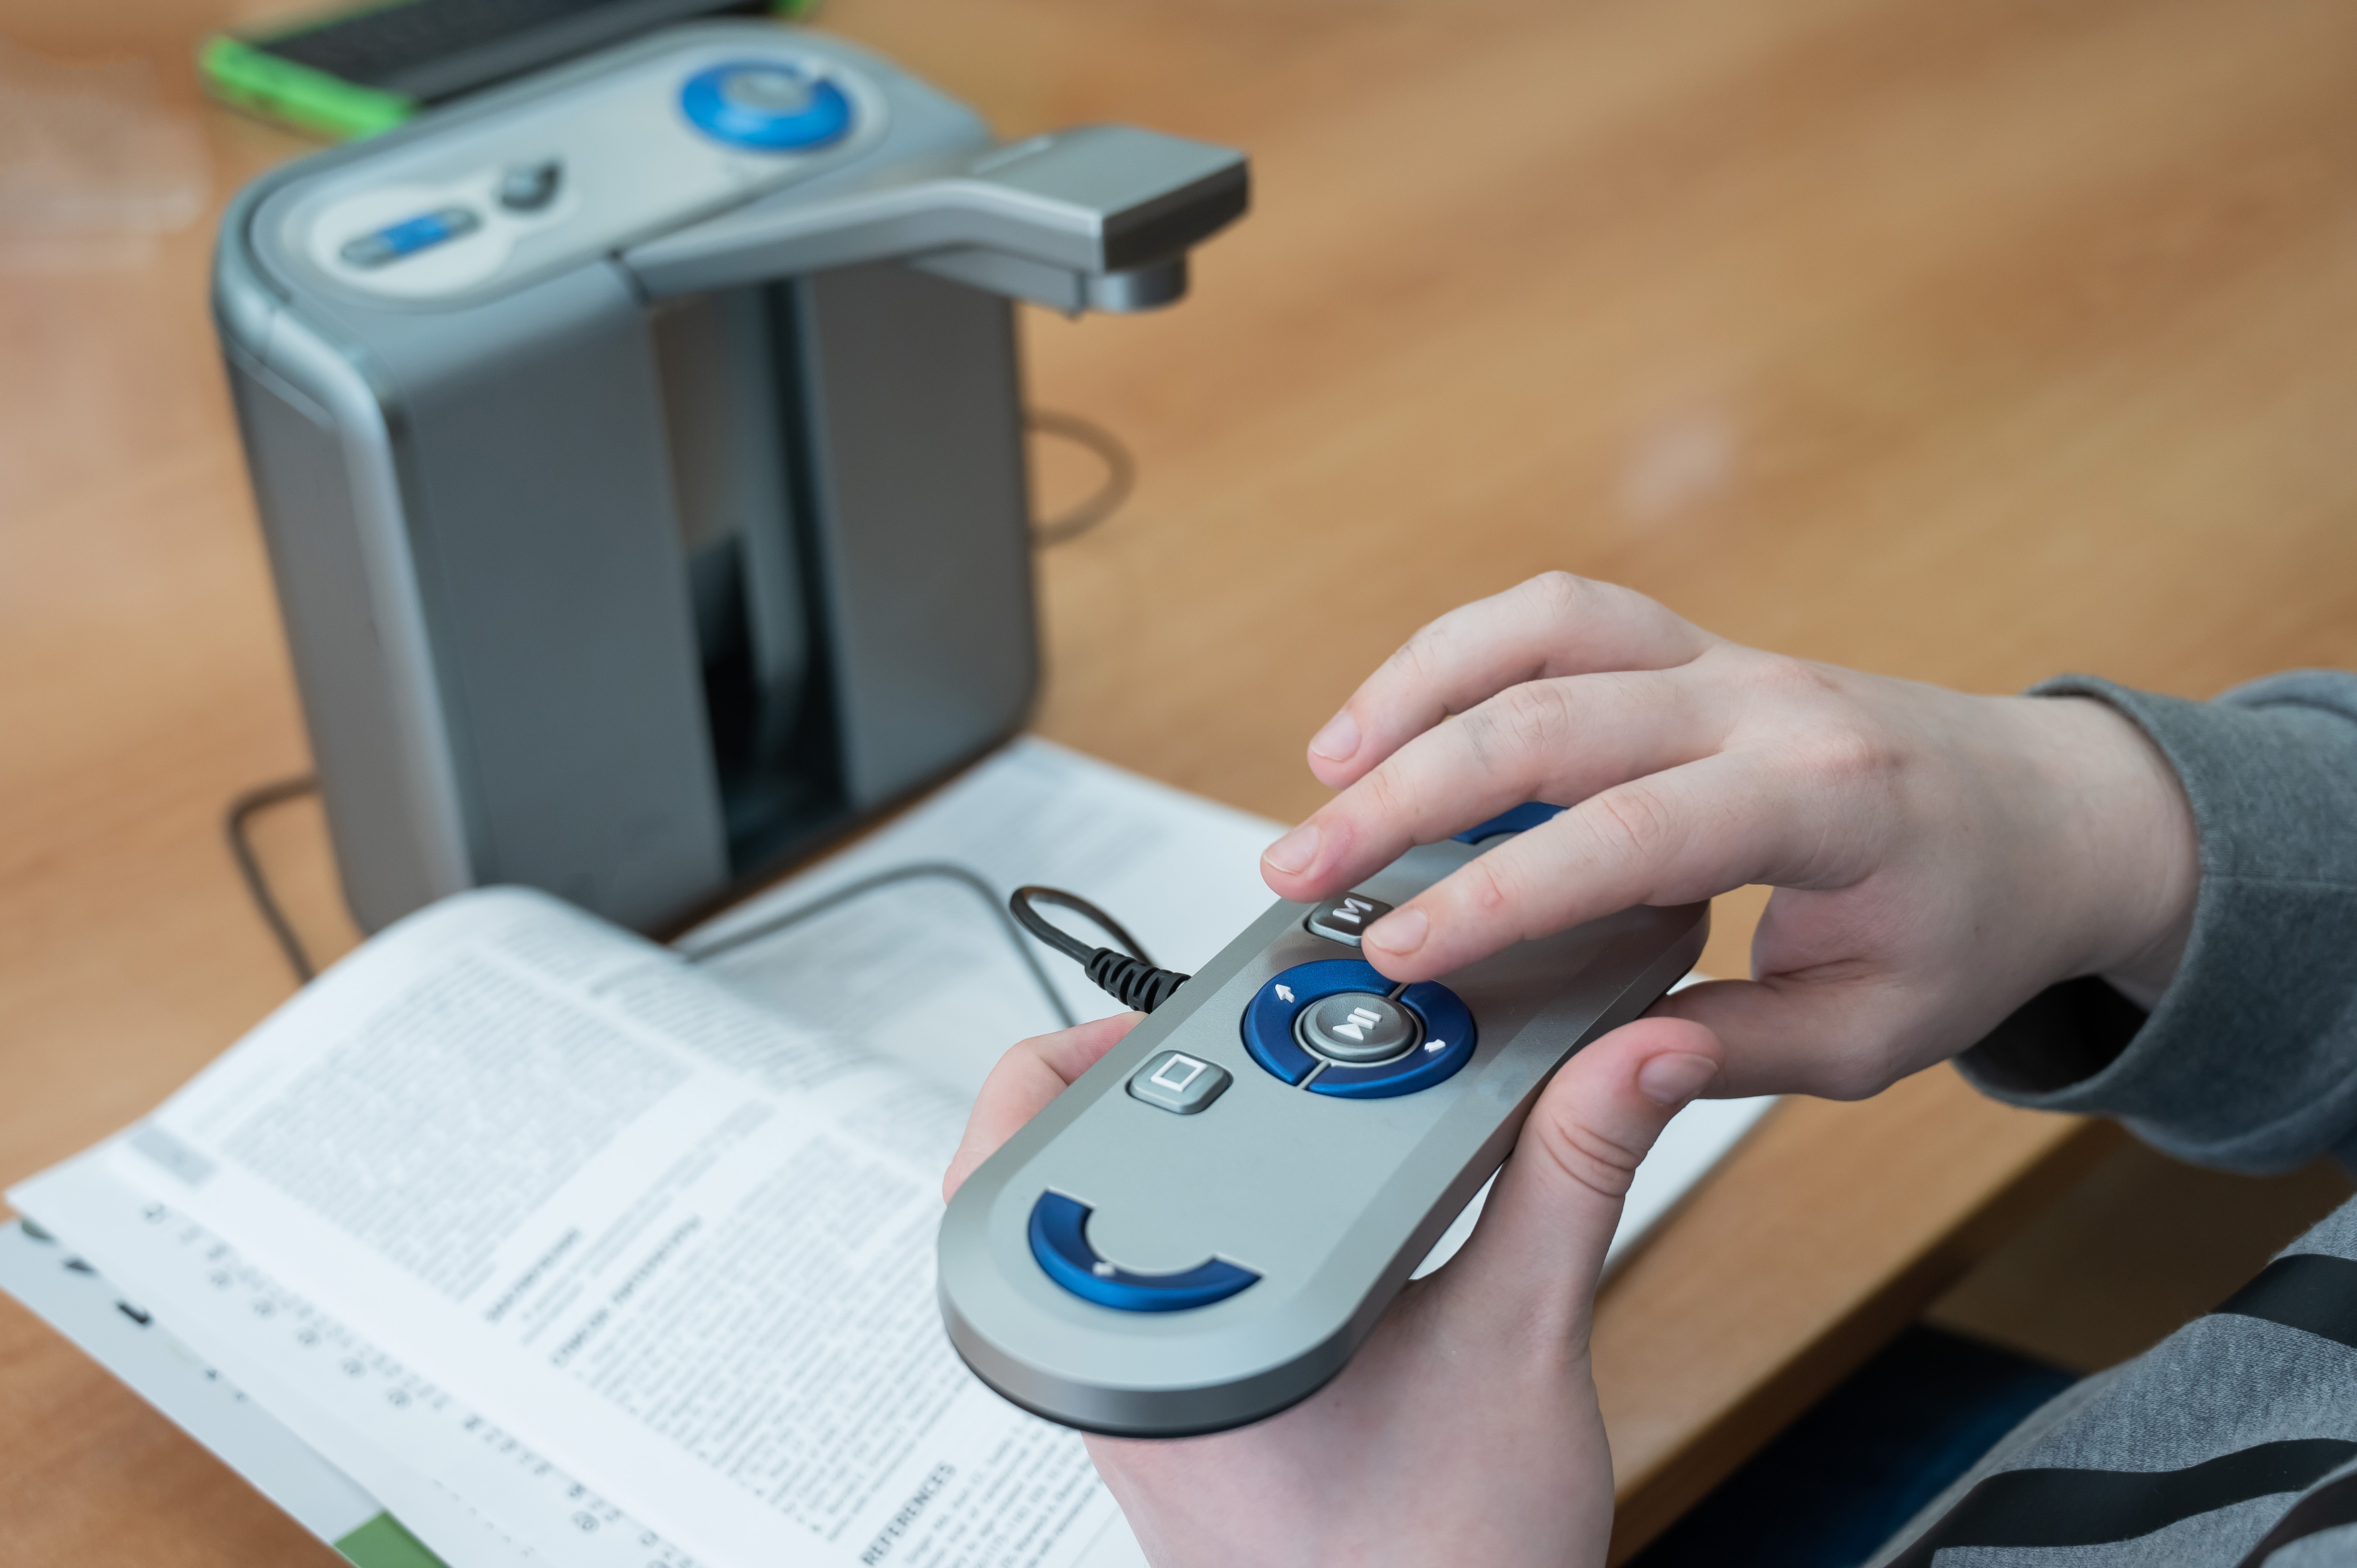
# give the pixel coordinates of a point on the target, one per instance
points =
(409, 236)
(766, 105)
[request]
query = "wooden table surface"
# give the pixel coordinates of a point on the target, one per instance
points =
(1968, 342)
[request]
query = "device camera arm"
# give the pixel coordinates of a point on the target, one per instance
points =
(1096, 218)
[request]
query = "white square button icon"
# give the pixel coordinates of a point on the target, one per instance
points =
(1176, 1082)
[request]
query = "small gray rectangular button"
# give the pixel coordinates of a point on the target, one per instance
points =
(1176, 1081)
(1342, 918)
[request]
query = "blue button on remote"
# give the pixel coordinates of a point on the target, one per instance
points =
(1060, 1240)
(1444, 1046)
(1447, 1046)
(766, 105)
(1268, 1018)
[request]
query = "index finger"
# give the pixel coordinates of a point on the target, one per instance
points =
(1558, 741)
(1553, 625)
(1679, 837)
(1027, 1077)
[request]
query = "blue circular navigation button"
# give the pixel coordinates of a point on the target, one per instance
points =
(1442, 1048)
(1447, 1046)
(768, 105)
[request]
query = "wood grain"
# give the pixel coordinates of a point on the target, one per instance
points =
(1965, 343)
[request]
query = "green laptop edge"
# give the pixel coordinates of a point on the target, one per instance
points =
(244, 75)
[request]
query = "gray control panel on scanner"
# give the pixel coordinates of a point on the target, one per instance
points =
(639, 451)
(1202, 1230)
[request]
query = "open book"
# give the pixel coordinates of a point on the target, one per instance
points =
(513, 1206)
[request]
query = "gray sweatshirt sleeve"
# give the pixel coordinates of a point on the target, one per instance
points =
(2249, 1059)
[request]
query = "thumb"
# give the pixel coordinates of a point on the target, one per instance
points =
(1539, 1248)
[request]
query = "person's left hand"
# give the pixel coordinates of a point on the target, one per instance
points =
(1466, 1429)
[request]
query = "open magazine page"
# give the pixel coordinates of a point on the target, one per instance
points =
(475, 1494)
(676, 1243)
(338, 1480)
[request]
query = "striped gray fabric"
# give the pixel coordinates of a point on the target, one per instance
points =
(2234, 1442)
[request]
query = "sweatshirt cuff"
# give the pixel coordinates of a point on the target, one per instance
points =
(2247, 1060)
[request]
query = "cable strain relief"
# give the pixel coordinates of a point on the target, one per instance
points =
(1132, 981)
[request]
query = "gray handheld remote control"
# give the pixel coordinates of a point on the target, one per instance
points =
(1202, 1230)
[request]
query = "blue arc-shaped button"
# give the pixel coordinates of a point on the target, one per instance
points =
(1059, 1240)
(725, 103)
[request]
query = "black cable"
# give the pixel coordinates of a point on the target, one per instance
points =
(1130, 977)
(1056, 937)
(261, 798)
(865, 884)
(1121, 475)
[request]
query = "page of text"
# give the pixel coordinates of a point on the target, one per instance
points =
(681, 1246)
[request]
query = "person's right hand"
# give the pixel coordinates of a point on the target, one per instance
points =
(1938, 858)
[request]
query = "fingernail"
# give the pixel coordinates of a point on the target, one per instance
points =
(1339, 739)
(1401, 932)
(1675, 1078)
(1294, 852)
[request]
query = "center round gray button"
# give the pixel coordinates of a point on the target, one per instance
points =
(768, 91)
(1357, 1026)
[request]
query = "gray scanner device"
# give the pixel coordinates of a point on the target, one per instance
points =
(1202, 1228)
(639, 451)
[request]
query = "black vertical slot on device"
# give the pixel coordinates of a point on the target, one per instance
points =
(729, 369)
(797, 753)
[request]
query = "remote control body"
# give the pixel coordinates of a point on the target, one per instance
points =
(1203, 1227)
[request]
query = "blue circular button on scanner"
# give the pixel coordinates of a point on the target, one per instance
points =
(768, 105)
(1445, 1046)
(1059, 1241)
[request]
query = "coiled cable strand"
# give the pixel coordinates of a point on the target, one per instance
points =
(1131, 977)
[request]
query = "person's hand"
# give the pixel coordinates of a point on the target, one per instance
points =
(1938, 858)
(1465, 1431)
